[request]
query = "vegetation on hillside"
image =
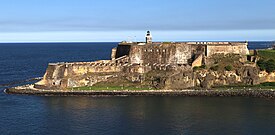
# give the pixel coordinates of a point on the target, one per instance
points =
(199, 68)
(268, 66)
(267, 54)
(215, 68)
(111, 88)
(115, 84)
(267, 60)
(228, 68)
(266, 85)
(227, 62)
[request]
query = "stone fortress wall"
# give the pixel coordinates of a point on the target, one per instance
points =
(66, 74)
(178, 53)
(229, 47)
(136, 58)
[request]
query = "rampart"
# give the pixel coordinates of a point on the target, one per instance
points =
(67, 74)
(135, 59)
(178, 53)
(227, 48)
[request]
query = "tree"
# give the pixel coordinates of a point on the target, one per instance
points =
(261, 63)
(270, 66)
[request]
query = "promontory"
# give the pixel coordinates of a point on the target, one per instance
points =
(161, 68)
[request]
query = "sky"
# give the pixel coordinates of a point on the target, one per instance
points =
(117, 20)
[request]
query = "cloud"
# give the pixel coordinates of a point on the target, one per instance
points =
(117, 36)
(84, 24)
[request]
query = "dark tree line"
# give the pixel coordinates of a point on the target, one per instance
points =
(268, 65)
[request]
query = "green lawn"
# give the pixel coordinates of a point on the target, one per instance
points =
(111, 88)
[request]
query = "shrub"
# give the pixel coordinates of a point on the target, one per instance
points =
(203, 66)
(269, 65)
(267, 54)
(261, 64)
(198, 68)
(268, 84)
(228, 68)
(214, 68)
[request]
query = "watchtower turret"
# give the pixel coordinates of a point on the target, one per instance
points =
(149, 38)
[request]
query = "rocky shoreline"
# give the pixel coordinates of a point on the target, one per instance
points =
(270, 94)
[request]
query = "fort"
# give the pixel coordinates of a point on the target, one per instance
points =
(164, 68)
(170, 64)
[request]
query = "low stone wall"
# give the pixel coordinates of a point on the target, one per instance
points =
(189, 93)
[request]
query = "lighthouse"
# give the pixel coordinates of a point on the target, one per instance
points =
(149, 38)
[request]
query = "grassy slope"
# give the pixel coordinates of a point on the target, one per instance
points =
(112, 88)
(267, 54)
(115, 84)
(220, 62)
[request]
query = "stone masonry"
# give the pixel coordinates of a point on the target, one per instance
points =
(137, 58)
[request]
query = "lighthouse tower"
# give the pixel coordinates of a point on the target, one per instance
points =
(149, 38)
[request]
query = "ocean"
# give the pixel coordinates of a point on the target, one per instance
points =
(116, 115)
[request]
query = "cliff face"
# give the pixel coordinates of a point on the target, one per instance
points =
(267, 77)
(246, 75)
